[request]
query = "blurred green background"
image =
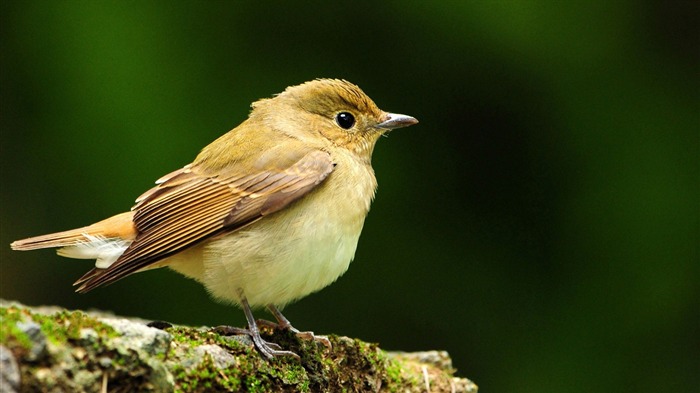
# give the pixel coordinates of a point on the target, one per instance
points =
(541, 223)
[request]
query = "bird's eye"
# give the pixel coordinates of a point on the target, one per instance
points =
(345, 119)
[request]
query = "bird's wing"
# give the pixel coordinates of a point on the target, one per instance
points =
(191, 205)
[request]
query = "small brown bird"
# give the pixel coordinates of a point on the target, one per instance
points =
(266, 214)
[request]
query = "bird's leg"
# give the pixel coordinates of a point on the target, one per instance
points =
(284, 324)
(268, 349)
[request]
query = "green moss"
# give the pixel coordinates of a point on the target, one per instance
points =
(192, 337)
(58, 328)
(205, 377)
(394, 372)
(9, 332)
(67, 325)
(250, 372)
(71, 352)
(350, 365)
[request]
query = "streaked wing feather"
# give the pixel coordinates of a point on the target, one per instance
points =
(189, 206)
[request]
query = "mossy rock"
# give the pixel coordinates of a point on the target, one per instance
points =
(48, 349)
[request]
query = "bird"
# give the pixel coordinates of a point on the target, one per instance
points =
(266, 214)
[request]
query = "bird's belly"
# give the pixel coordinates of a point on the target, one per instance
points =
(282, 257)
(291, 253)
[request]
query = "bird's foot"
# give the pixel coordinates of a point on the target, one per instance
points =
(308, 335)
(268, 349)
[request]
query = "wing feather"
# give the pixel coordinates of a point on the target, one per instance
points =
(190, 205)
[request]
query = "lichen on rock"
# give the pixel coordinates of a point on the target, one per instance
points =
(56, 350)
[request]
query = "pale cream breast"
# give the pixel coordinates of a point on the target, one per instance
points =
(291, 253)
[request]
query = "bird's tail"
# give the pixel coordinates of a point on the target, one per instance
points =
(103, 241)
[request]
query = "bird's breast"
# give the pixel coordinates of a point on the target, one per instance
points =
(296, 251)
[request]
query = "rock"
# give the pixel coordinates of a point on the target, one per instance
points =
(33, 332)
(52, 349)
(139, 337)
(219, 357)
(436, 370)
(9, 371)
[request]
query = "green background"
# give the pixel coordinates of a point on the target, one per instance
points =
(541, 223)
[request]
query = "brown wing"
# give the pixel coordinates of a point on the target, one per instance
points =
(189, 206)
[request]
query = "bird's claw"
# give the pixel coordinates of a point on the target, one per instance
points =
(312, 337)
(230, 331)
(309, 336)
(266, 348)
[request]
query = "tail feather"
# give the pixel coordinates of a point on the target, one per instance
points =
(82, 281)
(119, 227)
(59, 239)
(104, 241)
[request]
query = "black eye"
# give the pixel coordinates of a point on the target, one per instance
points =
(345, 120)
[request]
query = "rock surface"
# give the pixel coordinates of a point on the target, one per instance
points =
(49, 349)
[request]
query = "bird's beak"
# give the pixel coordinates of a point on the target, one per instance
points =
(394, 120)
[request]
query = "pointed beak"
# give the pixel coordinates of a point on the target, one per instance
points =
(394, 120)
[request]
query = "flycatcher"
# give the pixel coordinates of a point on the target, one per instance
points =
(266, 214)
